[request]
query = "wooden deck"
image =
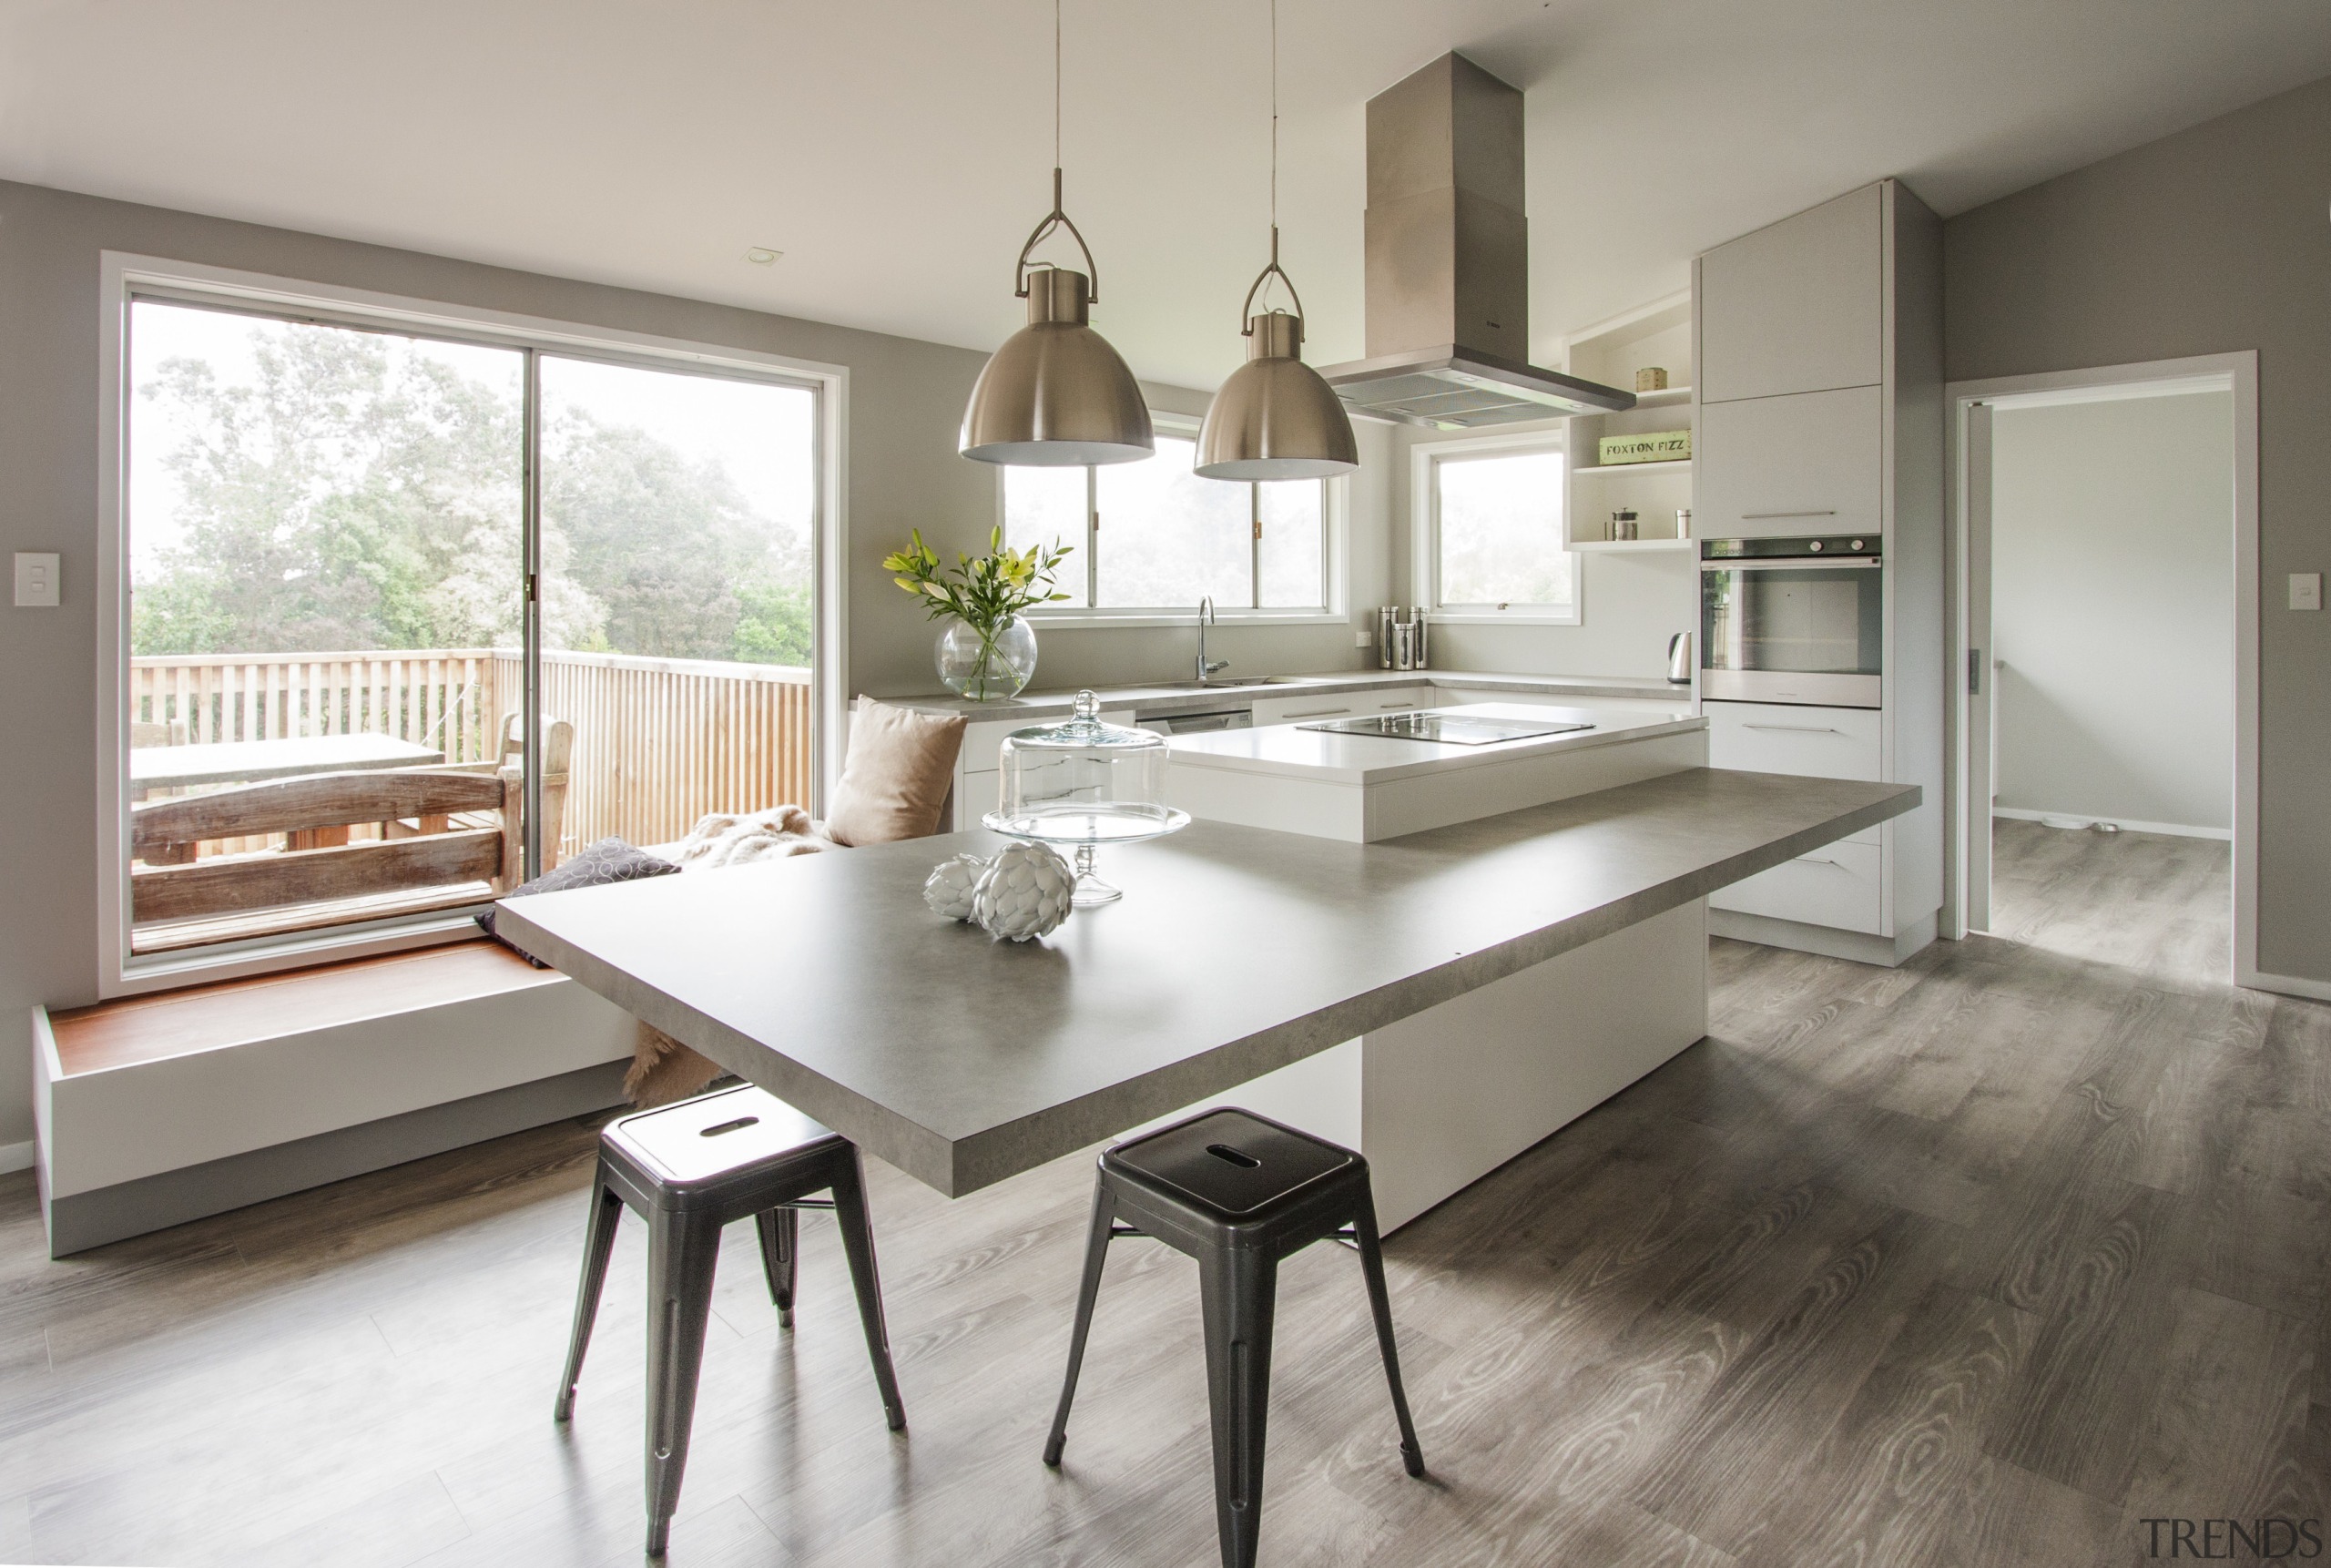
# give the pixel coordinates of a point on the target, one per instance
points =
(657, 743)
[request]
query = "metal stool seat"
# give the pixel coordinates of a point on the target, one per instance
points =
(1237, 1192)
(688, 1170)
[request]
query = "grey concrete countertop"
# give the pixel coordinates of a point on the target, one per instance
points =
(1235, 951)
(1188, 697)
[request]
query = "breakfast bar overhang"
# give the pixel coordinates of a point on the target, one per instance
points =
(1235, 953)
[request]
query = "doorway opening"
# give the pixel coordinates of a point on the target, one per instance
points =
(2105, 583)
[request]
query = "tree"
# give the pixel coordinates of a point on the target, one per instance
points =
(360, 494)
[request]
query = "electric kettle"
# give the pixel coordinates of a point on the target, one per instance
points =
(1679, 659)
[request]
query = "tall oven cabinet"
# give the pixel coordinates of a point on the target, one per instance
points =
(1818, 404)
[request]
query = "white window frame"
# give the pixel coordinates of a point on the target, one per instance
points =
(1424, 530)
(1334, 510)
(126, 276)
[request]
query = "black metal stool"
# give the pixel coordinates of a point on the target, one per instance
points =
(689, 1170)
(1237, 1192)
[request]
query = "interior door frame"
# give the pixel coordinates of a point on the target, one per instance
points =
(1967, 405)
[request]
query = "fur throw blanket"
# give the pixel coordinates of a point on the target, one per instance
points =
(775, 834)
(662, 1069)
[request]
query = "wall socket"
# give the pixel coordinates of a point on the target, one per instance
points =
(2306, 590)
(1360, 640)
(36, 580)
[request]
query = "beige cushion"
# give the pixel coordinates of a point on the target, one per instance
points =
(895, 779)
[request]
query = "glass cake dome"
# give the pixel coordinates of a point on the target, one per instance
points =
(1083, 783)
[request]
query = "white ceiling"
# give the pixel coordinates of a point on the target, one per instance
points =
(898, 151)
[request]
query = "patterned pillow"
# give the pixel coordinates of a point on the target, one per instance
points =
(608, 860)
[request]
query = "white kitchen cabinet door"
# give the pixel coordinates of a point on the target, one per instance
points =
(1271, 711)
(1790, 467)
(1811, 742)
(1796, 307)
(1841, 886)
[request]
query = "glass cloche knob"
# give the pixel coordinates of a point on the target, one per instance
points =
(1084, 781)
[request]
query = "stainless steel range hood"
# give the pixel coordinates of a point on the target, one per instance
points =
(1447, 263)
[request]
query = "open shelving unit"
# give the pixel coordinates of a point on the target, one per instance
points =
(1659, 333)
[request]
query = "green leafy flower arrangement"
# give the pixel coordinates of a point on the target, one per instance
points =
(983, 592)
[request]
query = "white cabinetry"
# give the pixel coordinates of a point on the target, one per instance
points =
(1299, 709)
(1806, 463)
(1796, 307)
(1818, 411)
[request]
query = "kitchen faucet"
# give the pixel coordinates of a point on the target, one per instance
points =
(1207, 668)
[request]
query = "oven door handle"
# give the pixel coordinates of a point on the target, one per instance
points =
(1788, 563)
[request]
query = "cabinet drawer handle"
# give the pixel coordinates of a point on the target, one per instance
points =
(1318, 713)
(1388, 707)
(1767, 516)
(1796, 728)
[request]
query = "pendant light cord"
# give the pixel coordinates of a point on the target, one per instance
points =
(1274, 129)
(1057, 84)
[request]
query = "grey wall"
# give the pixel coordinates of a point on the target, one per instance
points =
(906, 401)
(1632, 603)
(2113, 605)
(2210, 240)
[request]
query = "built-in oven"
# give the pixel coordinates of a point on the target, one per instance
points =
(1793, 620)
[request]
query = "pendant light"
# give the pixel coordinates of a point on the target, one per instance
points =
(1057, 395)
(1274, 418)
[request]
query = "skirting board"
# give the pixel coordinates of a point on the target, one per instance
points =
(2128, 824)
(2288, 985)
(16, 1157)
(82, 1220)
(1885, 952)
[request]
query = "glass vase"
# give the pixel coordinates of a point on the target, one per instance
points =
(987, 665)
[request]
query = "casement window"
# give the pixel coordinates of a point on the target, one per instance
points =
(409, 611)
(1489, 532)
(1153, 536)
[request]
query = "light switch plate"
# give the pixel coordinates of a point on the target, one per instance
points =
(2306, 590)
(36, 580)
(1359, 639)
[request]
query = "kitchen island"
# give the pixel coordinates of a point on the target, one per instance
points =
(1440, 1098)
(1236, 952)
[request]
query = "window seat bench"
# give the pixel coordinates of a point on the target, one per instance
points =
(155, 1110)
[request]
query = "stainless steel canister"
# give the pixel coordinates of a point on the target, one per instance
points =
(1418, 651)
(1403, 647)
(1385, 617)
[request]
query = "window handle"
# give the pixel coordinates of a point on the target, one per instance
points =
(1820, 860)
(1796, 728)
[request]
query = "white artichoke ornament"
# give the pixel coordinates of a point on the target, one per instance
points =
(1024, 894)
(950, 888)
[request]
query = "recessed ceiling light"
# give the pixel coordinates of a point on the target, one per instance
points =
(761, 256)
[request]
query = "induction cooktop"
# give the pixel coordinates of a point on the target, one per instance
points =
(1446, 729)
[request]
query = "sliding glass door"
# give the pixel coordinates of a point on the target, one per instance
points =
(678, 597)
(377, 674)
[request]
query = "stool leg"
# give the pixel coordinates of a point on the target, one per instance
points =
(858, 1242)
(1239, 1289)
(1096, 1253)
(606, 1212)
(780, 1233)
(682, 1253)
(1372, 1265)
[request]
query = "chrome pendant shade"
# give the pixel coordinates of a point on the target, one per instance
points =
(1057, 395)
(1274, 418)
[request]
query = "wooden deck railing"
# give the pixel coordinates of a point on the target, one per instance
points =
(658, 743)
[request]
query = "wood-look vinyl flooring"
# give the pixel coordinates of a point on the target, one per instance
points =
(1983, 1260)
